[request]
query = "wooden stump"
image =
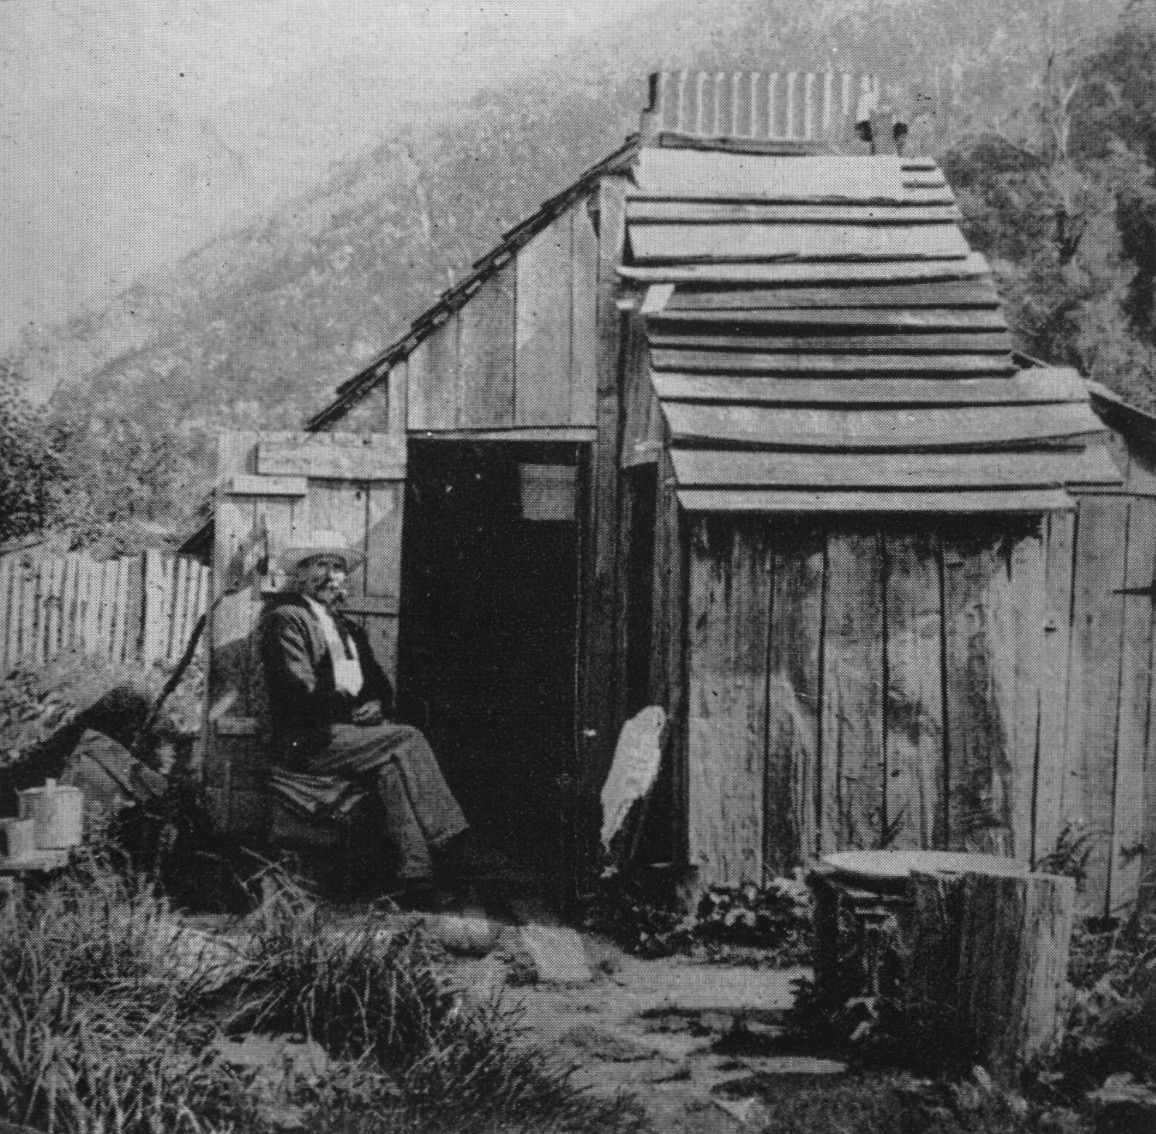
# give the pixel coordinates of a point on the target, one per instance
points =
(989, 959)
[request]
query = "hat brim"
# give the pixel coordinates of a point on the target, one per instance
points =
(292, 557)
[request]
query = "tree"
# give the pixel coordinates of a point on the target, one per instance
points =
(1063, 203)
(33, 472)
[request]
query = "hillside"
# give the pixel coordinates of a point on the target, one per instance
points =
(271, 316)
(257, 327)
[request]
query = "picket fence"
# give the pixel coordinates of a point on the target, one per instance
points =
(137, 608)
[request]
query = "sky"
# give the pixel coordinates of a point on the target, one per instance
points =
(132, 131)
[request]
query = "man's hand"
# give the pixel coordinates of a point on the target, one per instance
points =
(368, 714)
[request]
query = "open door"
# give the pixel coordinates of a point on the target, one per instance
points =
(271, 489)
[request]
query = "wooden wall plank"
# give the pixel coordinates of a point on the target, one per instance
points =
(545, 310)
(421, 413)
(1051, 762)
(584, 340)
(442, 375)
(668, 628)
(233, 618)
(852, 720)
(383, 532)
(486, 353)
(1093, 702)
(730, 590)
(349, 456)
(794, 677)
(1128, 857)
(599, 711)
(1029, 600)
(974, 590)
(913, 711)
(397, 398)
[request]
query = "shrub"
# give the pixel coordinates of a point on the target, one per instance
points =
(649, 918)
(1111, 1028)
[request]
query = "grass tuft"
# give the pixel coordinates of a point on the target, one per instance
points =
(110, 1011)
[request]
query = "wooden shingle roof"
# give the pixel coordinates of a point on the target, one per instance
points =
(821, 337)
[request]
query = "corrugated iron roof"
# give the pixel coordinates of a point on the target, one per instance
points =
(821, 337)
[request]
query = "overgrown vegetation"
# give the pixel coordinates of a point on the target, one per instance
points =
(116, 1018)
(37, 700)
(649, 918)
(1101, 1078)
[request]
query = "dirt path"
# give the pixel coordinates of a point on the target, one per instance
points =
(681, 1037)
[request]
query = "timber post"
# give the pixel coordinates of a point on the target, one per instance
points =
(598, 702)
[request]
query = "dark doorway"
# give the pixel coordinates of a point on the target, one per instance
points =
(488, 621)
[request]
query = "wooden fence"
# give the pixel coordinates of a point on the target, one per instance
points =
(141, 607)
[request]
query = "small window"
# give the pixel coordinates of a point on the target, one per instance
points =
(549, 492)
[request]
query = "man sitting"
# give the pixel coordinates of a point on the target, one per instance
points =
(329, 706)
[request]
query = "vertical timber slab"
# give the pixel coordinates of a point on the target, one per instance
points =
(1132, 857)
(233, 619)
(543, 327)
(397, 409)
(584, 318)
(420, 410)
(668, 629)
(1094, 699)
(974, 608)
(599, 710)
(383, 527)
(728, 614)
(914, 795)
(1029, 614)
(853, 692)
(794, 674)
(1051, 758)
(486, 354)
(440, 369)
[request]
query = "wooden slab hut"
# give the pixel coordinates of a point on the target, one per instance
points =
(734, 425)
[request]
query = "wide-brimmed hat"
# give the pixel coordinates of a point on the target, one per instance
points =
(319, 543)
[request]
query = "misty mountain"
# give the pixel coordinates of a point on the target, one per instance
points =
(258, 326)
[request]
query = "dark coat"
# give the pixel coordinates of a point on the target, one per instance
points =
(299, 672)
